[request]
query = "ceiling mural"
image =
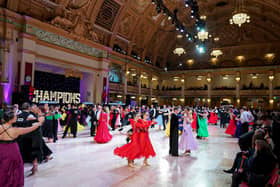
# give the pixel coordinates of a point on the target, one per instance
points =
(148, 32)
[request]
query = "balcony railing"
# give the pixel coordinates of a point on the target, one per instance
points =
(132, 89)
(254, 92)
(116, 87)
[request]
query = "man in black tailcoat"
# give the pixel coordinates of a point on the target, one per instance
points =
(174, 136)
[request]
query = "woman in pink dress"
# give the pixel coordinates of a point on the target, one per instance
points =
(194, 122)
(187, 141)
(232, 124)
(102, 134)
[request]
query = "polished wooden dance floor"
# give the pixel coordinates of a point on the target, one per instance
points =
(82, 163)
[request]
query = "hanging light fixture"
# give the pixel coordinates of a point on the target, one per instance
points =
(239, 15)
(202, 35)
(179, 50)
(216, 53)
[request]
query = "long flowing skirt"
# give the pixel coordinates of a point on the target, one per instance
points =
(130, 150)
(238, 130)
(11, 166)
(194, 123)
(231, 128)
(146, 146)
(187, 141)
(213, 118)
(47, 129)
(202, 130)
(102, 134)
(159, 120)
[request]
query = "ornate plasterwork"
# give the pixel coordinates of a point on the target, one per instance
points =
(64, 42)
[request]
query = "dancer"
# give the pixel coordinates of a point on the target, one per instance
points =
(72, 121)
(159, 118)
(11, 170)
(102, 134)
(57, 117)
(146, 147)
(232, 124)
(202, 123)
(187, 142)
(47, 127)
(194, 121)
(174, 135)
(131, 151)
(213, 118)
(113, 117)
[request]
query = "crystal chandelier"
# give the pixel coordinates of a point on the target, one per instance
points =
(202, 35)
(179, 51)
(216, 53)
(239, 15)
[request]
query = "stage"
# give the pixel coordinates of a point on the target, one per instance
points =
(81, 162)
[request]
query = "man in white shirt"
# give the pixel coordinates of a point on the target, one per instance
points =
(245, 118)
(98, 112)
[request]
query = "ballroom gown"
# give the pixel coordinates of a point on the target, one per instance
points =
(187, 141)
(167, 131)
(231, 127)
(203, 129)
(146, 147)
(11, 165)
(132, 149)
(213, 118)
(194, 122)
(102, 134)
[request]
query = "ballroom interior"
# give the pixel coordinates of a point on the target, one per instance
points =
(165, 52)
(141, 52)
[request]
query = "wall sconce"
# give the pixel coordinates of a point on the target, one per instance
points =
(271, 101)
(237, 79)
(240, 58)
(208, 100)
(271, 77)
(208, 79)
(238, 101)
(182, 80)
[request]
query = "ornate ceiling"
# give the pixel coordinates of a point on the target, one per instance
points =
(135, 26)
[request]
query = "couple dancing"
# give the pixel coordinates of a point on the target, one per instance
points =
(187, 141)
(140, 145)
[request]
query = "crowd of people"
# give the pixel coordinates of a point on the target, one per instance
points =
(26, 131)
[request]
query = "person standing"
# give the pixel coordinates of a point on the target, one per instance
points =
(72, 122)
(12, 170)
(93, 120)
(57, 117)
(187, 141)
(202, 123)
(174, 135)
(232, 124)
(146, 147)
(245, 118)
(165, 113)
(113, 117)
(47, 127)
(102, 134)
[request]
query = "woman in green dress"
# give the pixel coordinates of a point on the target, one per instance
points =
(202, 125)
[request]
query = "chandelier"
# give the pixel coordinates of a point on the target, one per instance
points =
(202, 35)
(239, 15)
(179, 51)
(216, 53)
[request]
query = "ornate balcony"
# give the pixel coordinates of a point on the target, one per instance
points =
(116, 87)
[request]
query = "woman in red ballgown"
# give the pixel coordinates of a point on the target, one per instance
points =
(102, 134)
(213, 118)
(232, 124)
(131, 150)
(194, 122)
(146, 147)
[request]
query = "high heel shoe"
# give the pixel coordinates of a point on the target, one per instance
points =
(145, 163)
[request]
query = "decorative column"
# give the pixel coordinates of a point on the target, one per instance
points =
(126, 73)
(182, 89)
(237, 89)
(139, 76)
(270, 85)
(209, 79)
(5, 76)
(151, 88)
(160, 81)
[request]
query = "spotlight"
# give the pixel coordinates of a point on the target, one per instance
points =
(191, 11)
(192, 16)
(169, 17)
(187, 35)
(187, 5)
(189, 38)
(201, 49)
(153, 2)
(177, 28)
(182, 30)
(180, 64)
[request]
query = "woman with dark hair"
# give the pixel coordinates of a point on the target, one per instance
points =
(11, 170)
